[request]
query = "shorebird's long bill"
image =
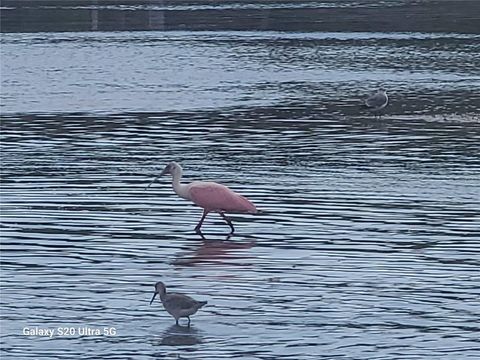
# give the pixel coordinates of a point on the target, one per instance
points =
(153, 297)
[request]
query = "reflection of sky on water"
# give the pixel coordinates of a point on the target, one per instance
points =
(176, 71)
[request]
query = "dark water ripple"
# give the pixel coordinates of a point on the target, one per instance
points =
(198, 15)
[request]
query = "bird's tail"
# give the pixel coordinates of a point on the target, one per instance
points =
(201, 303)
(364, 105)
(261, 212)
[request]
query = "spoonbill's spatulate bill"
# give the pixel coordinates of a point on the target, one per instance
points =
(377, 101)
(210, 196)
(177, 305)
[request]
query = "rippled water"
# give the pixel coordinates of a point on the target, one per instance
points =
(367, 244)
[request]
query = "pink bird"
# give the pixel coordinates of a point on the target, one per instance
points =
(210, 196)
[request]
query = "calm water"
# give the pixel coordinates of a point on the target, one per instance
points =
(368, 243)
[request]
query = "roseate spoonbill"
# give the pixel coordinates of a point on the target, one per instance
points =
(377, 101)
(210, 196)
(177, 305)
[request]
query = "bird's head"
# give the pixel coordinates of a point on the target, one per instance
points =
(159, 289)
(172, 168)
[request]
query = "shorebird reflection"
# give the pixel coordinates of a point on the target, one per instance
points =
(180, 335)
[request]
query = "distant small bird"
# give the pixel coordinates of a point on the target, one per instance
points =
(210, 196)
(177, 305)
(377, 101)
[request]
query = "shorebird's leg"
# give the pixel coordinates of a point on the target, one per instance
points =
(229, 222)
(176, 321)
(199, 225)
(188, 317)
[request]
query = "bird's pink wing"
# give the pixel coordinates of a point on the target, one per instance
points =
(217, 197)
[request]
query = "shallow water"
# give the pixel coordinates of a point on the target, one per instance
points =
(367, 244)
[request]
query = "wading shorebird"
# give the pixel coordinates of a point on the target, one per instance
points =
(210, 196)
(377, 101)
(177, 305)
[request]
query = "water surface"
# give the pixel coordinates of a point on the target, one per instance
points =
(367, 244)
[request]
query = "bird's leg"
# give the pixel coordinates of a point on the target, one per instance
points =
(188, 317)
(199, 225)
(176, 321)
(229, 222)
